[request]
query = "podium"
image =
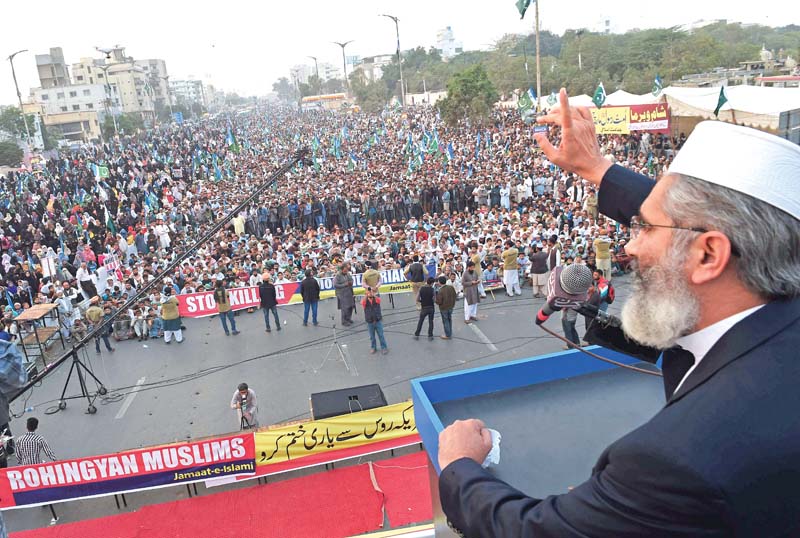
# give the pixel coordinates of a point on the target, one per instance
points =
(556, 414)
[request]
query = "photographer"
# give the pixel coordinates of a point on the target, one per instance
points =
(372, 314)
(244, 401)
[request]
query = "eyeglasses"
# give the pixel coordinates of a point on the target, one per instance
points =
(637, 225)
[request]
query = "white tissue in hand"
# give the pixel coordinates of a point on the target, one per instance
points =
(493, 457)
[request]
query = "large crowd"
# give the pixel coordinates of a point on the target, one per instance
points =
(90, 227)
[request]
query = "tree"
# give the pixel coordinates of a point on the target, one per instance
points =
(11, 122)
(315, 83)
(10, 154)
(126, 124)
(284, 89)
(370, 96)
(333, 85)
(470, 94)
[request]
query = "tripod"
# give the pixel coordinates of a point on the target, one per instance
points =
(79, 367)
(335, 345)
(244, 424)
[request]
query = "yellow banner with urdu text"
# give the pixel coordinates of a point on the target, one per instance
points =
(321, 437)
(612, 120)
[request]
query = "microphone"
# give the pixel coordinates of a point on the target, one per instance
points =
(603, 318)
(568, 289)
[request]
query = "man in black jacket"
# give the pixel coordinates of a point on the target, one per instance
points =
(309, 290)
(426, 301)
(716, 244)
(269, 302)
(416, 273)
(373, 316)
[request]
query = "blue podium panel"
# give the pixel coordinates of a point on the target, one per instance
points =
(553, 432)
(549, 388)
(556, 414)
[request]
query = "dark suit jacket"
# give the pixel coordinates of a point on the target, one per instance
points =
(268, 295)
(722, 458)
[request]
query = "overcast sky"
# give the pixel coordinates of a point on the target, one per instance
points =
(245, 46)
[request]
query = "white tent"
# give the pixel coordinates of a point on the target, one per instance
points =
(575, 100)
(623, 98)
(754, 106)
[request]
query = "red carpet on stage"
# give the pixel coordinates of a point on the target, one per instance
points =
(331, 504)
(404, 481)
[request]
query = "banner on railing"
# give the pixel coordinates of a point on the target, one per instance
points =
(318, 442)
(336, 433)
(198, 305)
(123, 472)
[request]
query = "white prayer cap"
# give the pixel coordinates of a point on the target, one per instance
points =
(746, 160)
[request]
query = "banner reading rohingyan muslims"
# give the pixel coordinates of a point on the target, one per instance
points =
(123, 472)
(201, 304)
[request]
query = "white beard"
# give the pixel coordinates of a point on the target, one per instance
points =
(662, 307)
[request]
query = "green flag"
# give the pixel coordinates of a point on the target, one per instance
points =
(522, 7)
(525, 105)
(721, 101)
(657, 86)
(552, 99)
(599, 96)
(433, 145)
(109, 221)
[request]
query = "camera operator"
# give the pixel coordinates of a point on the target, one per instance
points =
(244, 401)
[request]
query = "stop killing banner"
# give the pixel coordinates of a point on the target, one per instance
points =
(123, 472)
(201, 304)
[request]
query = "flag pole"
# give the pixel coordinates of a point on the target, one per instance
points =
(538, 58)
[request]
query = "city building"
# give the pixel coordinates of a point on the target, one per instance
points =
(752, 72)
(52, 68)
(446, 44)
(129, 85)
(301, 73)
(72, 98)
(72, 126)
(372, 66)
(328, 71)
(158, 79)
(188, 91)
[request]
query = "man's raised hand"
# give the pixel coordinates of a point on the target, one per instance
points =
(578, 150)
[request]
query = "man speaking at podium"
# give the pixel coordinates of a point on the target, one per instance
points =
(716, 244)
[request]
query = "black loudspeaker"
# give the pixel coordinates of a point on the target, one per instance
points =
(344, 401)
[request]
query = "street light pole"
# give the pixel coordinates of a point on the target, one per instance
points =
(169, 96)
(399, 58)
(316, 72)
(19, 97)
(344, 62)
(538, 60)
(104, 69)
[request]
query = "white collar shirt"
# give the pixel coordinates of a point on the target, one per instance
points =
(700, 343)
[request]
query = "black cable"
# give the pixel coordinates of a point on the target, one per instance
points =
(598, 357)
